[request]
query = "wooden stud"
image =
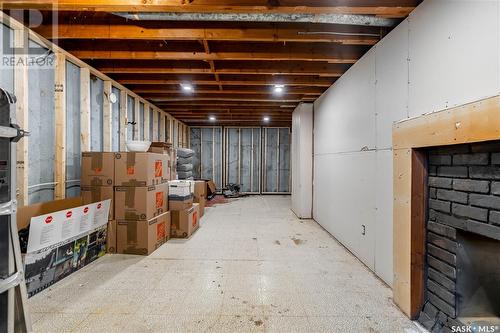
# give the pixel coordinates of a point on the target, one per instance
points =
(155, 125)
(138, 121)
(85, 109)
(145, 126)
(60, 127)
(123, 120)
(22, 113)
(162, 127)
(106, 117)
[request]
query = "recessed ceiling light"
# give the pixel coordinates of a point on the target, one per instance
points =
(266, 119)
(187, 87)
(279, 88)
(211, 118)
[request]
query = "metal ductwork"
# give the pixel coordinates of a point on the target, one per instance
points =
(347, 19)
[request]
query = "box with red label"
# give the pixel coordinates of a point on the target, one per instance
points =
(141, 169)
(141, 237)
(92, 194)
(185, 222)
(140, 203)
(98, 169)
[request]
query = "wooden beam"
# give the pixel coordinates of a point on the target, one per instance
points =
(234, 6)
(300, 91)
(123, 120)
(277, 70)
(85, 109)
(313, 82)
(136, 32)
(106, 117)
(60, 127)
(227, 99)
(22, 113)
(253, 56)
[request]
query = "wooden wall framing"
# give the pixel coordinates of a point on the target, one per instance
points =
(21, 37)
(473, 122)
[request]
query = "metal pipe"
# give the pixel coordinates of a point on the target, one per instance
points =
(347, 19)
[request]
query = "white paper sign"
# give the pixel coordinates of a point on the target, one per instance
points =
(54, 228)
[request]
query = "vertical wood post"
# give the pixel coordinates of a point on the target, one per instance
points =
(123, 120)
(106, 117)
(60, 126)
(22, 111)
(85, 109)
(137, 119)
(162, 127)
(155, 125)
(146, 122)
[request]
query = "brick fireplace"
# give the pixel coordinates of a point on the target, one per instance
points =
(462, 261)
(440, 231)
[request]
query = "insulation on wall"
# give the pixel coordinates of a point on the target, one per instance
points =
(73, 147)
(115, 121)
(96, 113)
(167, 129)
(41, 126)
(6, 72)
(276, 160)
(243, 162)
(207, 161)
(131, 118)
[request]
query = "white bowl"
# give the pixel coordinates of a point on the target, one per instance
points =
(138, 146)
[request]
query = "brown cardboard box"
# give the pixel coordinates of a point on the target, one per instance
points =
(25, 213)
(200, 189)
(180, 204)
(92, 194)
(160, 147)
(111, 237)
(202, 202)
(98, 169)
(168, 225)
(140, 203)
(141, 169)
(141, 237)
(185, 222)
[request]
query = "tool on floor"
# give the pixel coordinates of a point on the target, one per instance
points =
(14, 314)
(232, 191)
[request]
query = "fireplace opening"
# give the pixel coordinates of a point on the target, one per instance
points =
(461, 272)
(478, 278)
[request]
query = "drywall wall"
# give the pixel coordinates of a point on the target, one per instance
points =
(446, 53)
(302, 160)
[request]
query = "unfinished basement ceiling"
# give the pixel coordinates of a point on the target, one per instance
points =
(232, 65)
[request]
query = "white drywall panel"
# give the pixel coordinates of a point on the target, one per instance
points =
(344, 187)
(454, 52)
(302, 150)
(391, 97)
(346, 118)
(383, 216)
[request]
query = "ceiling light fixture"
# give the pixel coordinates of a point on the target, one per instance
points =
(279, 88)
(211, 118)
(266, 119)
(187, 87)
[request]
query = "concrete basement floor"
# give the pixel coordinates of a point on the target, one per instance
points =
(251, 267)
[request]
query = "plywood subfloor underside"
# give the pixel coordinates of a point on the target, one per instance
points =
(252, 266)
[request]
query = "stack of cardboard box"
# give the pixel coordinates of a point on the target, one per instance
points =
(141, 202)
(166, 149)
(97, 181)
(185, 213)
(200, 194)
